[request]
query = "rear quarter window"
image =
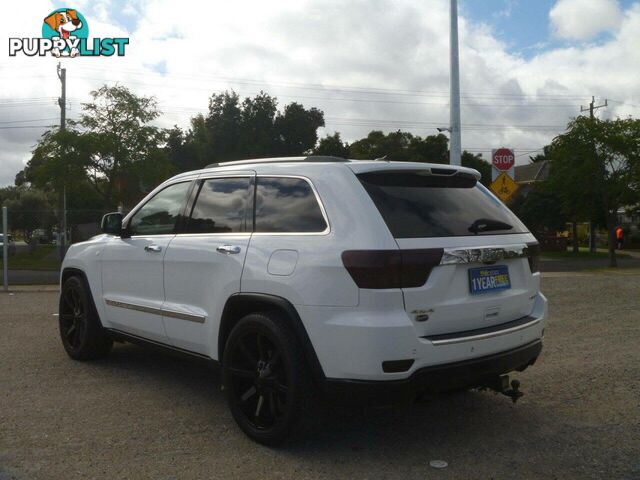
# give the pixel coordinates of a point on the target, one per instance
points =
(416, 204)
(287, 205)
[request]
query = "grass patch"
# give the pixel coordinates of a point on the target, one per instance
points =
(583, 255)
(43, 257)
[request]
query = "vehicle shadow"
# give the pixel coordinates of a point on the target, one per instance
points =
(440, 425)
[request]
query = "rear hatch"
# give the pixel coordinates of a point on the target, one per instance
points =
(476, 249)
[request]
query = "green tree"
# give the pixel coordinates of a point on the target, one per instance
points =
(297, 129)
(29, 209)
(404, 146)
(125, 156)
(475, 161)
(394, 146)
(595, 169)
(332, 146)
(235, 129)
(538, 209)
(112, 147)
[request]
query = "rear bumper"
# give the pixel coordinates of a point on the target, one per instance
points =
(438, 378)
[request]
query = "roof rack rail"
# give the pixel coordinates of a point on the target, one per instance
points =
(308, 159)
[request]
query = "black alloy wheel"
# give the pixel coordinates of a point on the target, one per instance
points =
(82, 334)
(73, 317)
(265, 377)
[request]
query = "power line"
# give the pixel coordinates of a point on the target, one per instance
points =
(27, 121)
(361, 100)
(324, 87)
(25, 126)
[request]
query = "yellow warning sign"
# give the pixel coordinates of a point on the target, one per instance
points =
(504, 187)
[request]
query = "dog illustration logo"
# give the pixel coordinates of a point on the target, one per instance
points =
(68, 25)
(65, 33)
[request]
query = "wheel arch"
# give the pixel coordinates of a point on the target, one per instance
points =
(72, 272)
(69, 272)
(241, 304)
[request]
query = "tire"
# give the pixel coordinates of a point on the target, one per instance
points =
(265, 377)
(81, 332)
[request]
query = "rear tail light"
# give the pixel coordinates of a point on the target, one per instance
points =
(379, 269)
(533, 250)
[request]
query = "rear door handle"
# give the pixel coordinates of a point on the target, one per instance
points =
(228, 249)
(152, 248)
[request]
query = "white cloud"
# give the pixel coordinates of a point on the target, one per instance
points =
(584, 19)
(507, 10)
(292, 49)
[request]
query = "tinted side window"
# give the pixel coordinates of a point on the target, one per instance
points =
(159, 215)
(287, 205)
(221, 206)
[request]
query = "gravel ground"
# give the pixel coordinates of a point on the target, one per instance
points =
(140, 414)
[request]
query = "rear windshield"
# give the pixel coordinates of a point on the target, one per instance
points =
(416, 204)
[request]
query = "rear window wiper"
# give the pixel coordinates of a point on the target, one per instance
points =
(488, 225)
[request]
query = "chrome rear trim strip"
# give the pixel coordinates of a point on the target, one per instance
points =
(484, 336)
(454, 256)
(156, 311)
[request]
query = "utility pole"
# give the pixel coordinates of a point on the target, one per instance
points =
(455, 149)
(62, 101)
(62, 198)
(592, 108)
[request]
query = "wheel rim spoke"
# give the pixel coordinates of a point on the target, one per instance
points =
(258, 379)
(248, 394)
(259, 406)
(71, 332)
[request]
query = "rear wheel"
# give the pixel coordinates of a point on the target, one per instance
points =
(80, 330)
(265, 378)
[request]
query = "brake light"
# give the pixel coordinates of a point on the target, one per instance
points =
(379, 269)
(533, 255)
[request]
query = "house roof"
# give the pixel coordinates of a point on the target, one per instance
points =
(533, 172)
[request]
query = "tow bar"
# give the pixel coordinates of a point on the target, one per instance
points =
(501, 385)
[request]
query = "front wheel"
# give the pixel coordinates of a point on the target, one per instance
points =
(265, 378)
(80, 329)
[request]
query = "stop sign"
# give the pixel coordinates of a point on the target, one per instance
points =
(503, 159)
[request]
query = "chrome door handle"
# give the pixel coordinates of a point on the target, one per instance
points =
(152, 248)
(228, 249)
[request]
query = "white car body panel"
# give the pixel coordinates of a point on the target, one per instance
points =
(200, 282)
(134, 276)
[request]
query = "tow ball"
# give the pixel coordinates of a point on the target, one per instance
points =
(501, 385)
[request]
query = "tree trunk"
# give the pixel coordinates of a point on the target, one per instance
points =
(574, 233)
(611, 227)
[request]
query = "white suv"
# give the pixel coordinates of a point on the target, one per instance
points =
(358, 281)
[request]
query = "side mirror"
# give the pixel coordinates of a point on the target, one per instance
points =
(112, 223)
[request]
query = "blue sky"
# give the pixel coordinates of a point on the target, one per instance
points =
(523, 25)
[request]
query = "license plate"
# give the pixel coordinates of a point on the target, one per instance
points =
(489, 279)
